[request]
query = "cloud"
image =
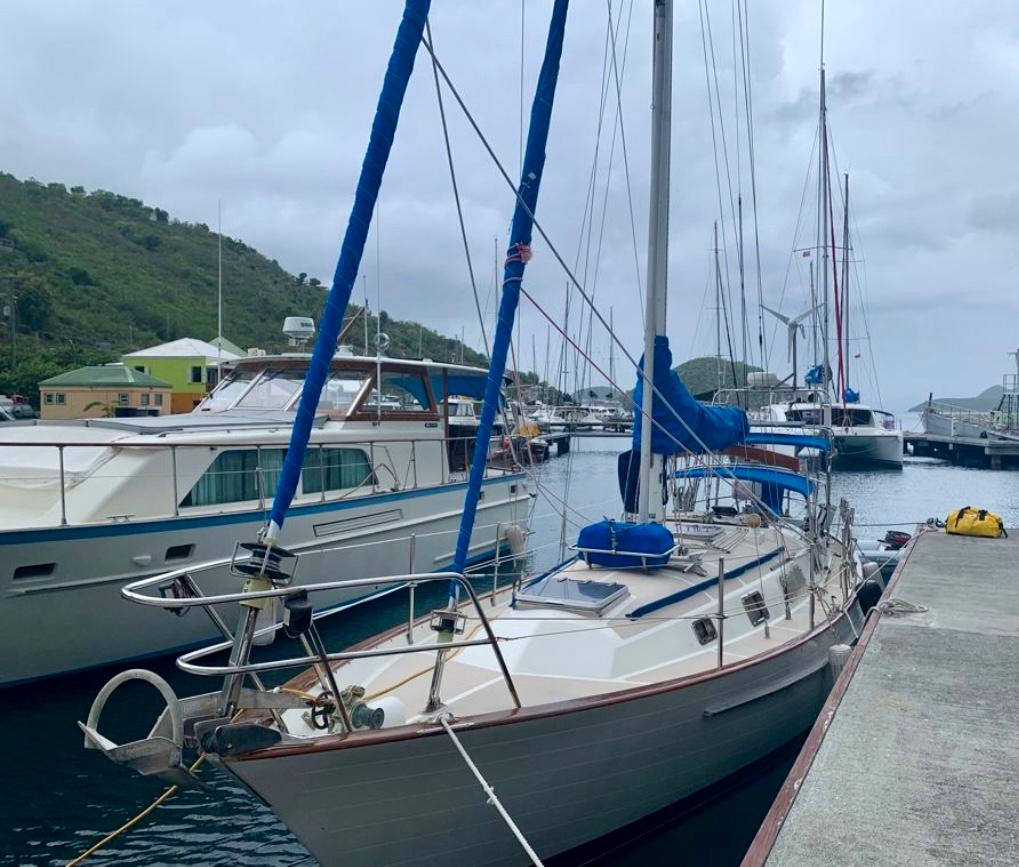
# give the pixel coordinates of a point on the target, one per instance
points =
(267, 106)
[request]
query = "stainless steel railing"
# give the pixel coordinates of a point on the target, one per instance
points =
(379, 453)
(184, 579)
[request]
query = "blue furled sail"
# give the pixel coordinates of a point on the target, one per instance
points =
(387, 113)
(513, 274)
(710, 428)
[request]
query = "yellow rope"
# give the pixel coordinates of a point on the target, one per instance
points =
(130, 823)
(410, 677)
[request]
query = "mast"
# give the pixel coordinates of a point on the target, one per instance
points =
(742, 291)
(650, 502)
(822, 198)
(845, 281)
(612, 355)
(718, 316)
(219, 316)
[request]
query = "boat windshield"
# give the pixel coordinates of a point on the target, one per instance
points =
(274, 389)
(231, 388)
(342, 389)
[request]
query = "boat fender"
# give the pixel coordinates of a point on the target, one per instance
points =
(869, 594)
(394, 712)
(838, 656)
(514, 537)
(872, 572)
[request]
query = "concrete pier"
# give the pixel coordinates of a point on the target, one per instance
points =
(915, 757)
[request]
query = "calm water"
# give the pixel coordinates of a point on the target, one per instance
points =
(57, 799)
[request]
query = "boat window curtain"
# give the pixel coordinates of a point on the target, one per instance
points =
(343, 469)
(233, 477)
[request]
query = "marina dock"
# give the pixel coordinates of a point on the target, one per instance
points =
(994, 452)
(914, 757)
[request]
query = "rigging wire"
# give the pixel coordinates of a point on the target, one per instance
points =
(554, 250)
(748, 103)
(626, 160)
(456, 190)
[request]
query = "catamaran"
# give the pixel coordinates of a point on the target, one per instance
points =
(677, 645)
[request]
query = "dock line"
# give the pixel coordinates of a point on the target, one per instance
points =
(489, 791)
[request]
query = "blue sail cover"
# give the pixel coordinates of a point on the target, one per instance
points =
(698, 427)
(387, 113)
(513, 272)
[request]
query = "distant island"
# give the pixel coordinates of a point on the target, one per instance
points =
(986, 401)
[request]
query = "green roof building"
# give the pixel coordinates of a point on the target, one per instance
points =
(103, 391)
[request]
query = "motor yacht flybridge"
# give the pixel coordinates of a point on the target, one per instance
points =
(679, 644)
(88, 506)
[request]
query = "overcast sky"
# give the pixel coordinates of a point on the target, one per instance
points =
(267, 106)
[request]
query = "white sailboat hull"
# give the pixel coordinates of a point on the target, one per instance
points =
(868, 447)
(75, 618)
(567, 773)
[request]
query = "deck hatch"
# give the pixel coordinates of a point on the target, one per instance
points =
(583, 596)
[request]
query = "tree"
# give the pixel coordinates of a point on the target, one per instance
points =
(301, 278)
(35, 305)
(314, 281)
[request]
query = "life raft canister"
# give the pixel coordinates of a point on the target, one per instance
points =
(968, 521)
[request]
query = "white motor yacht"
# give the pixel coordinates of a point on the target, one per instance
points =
(88, 506)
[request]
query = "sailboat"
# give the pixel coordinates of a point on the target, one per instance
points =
(673, 648)
(865, 436)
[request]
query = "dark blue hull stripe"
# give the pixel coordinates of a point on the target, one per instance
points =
(707, 584)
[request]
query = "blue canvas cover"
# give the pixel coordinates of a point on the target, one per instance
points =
(599, 543)
(717, 427)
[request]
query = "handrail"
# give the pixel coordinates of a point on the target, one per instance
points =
(186, 662)
(63, 477)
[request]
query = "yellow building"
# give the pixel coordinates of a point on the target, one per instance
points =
(189, 365)
(103, 391)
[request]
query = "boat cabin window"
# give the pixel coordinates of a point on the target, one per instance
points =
(852, 417)
(342, 389)
(227, 392)
(274, 389)
(464, 408)
(342, 469)
(238, 476)
(806, 416)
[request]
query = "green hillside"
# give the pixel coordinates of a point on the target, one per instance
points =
(87, 276)
(700, 375)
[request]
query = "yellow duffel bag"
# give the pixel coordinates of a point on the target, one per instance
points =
(968, 521)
